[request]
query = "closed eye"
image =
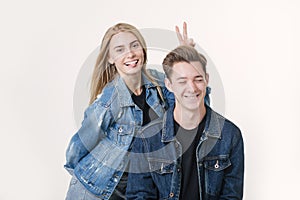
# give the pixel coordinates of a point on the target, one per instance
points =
(181, 82)
(199, 80)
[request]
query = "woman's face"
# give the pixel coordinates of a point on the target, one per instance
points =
(126, 52)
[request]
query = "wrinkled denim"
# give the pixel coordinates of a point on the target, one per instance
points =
(98, 153)
(220, 161)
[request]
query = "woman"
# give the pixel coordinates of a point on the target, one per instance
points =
(124, 97)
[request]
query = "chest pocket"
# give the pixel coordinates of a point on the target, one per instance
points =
(214, 168)
(120, 134)
(162, 171)
(216, 163)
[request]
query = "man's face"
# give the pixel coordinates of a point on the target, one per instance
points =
(188, 82)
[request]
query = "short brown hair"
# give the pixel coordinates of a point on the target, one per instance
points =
(183, 53)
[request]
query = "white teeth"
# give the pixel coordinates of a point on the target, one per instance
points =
(131, 62)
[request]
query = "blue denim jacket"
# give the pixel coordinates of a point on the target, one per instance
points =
(98, 153)
(220, 161)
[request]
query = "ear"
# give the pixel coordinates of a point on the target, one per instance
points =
(110, 61)
(168, 84)
(207, 78)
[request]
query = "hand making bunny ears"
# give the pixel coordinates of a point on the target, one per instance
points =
(183, 38)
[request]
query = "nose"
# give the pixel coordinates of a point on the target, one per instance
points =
(192, 86)
(130, 53)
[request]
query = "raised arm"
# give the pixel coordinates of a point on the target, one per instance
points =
(183, 38)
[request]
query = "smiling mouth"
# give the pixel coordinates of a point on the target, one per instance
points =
(192, 96)
(131, 63)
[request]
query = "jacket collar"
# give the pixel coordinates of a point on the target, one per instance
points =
(213, 125)
(122, 92)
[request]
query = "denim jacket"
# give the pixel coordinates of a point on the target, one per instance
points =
(220, 161)
(98, 153)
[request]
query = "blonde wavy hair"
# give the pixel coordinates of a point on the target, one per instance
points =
(105, 72)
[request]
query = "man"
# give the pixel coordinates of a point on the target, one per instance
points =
(198, 154)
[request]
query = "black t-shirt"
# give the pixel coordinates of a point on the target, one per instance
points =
(189, 140)
(148, 113)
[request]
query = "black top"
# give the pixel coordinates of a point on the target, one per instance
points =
(189, 139)
(148, 113)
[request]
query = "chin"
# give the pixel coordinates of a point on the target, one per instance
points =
(193, 107)
(134, 70)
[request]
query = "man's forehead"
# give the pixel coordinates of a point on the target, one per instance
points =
(184, 68)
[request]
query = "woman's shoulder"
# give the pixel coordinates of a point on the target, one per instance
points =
(105, 98)
(103, 103)
(157, 75)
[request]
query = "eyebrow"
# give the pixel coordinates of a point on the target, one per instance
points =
(124, 45)
(183, 78)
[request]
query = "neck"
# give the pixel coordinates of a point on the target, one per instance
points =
(189, 119)
(134, 83)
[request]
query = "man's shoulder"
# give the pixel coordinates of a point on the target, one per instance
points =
(227, 126)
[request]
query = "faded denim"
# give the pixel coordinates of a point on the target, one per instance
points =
(98, 153)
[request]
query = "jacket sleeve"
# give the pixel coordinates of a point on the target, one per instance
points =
(160, 79)
(86, 138)
(169, 96)
(234, 175)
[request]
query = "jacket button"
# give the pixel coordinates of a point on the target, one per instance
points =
(217, 165)
(171, 194)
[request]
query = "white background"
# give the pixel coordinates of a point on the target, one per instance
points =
(43, 44)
